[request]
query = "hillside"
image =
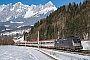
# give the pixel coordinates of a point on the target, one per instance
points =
(69, 20)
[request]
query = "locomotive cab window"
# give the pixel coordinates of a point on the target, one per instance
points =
(79, 41)
(76, 40)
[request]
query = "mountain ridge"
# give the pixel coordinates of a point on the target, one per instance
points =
(68, 20)
(23, 15)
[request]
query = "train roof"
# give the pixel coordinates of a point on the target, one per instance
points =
(63, 39)
(68, 38)
(47, 40)
(52, 40)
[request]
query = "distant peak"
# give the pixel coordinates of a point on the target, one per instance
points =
(49, 4)
(18, 3)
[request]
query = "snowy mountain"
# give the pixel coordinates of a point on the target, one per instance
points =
(17, 15)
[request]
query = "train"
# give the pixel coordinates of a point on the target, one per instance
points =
(70, 43)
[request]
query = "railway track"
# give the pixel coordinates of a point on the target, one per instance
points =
(85, 52)
(82, 52)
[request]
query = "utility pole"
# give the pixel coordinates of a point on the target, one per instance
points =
(38, 39)
(25, 43)
(25, 39)
(88, 34)
(58, 34)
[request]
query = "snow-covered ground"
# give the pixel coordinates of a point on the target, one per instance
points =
(86, 45)
(64, 55)
(30, 53)
(21, 53)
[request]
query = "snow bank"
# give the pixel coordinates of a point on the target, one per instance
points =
(86, 45)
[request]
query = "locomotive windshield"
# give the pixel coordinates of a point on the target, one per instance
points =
(76, 40)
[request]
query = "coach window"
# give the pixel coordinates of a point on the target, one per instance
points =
(47, 42)
(42, 42)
